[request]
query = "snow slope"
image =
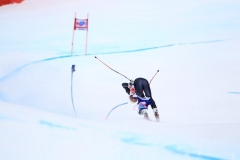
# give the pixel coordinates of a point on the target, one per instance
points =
(194, 45)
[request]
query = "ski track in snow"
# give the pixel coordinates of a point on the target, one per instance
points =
(31, 133)
(129, 138)
(175, 150)
(19, 69)
(35, 62)
(70, 56)
(234, 92)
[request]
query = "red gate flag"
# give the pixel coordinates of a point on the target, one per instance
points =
(81, 24)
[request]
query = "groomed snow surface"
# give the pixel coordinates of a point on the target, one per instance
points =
(193, 44)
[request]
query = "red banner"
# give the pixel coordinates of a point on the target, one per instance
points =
(81, 24)
(4, 2)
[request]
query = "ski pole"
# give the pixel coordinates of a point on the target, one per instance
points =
(111, 68)
(114, 108)
(154, 76)
(73, 70)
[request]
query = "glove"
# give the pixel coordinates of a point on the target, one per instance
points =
(131, 82)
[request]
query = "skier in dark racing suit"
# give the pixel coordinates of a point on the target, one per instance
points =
(139, 91)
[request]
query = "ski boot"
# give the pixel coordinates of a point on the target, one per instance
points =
(146, 116)
(156, 114)
(144, 113)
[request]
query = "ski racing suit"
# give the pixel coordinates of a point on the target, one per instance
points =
(141, 90)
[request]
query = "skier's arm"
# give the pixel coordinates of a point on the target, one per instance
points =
(125, 86)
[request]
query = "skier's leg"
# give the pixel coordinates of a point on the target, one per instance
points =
(153, 105)
(147, 91)
(143, 110)
(155, 110)
(146, 88)
(138, 85)
(141, 85)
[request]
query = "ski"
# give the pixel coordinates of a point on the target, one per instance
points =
(151, 120)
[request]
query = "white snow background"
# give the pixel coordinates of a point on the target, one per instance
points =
(194, 44)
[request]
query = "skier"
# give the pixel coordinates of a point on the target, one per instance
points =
(139, 91)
